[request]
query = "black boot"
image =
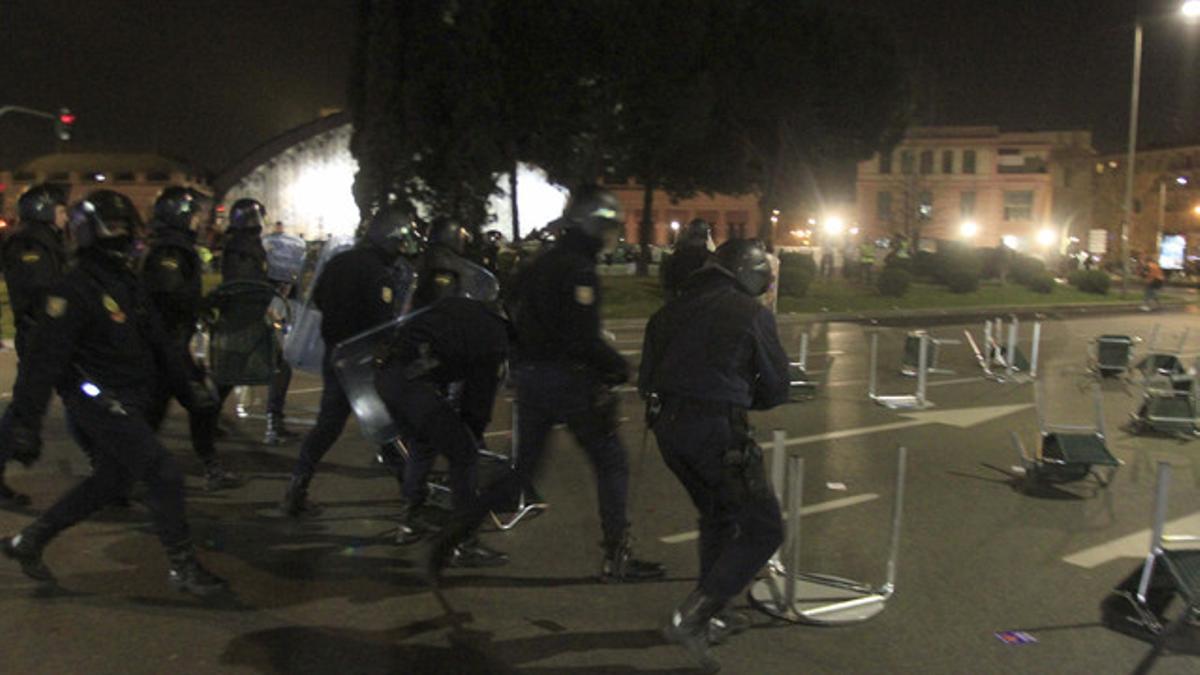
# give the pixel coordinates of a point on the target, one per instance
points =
(277, 432)
(410, 529)
(187, 575)
(217, 477)
(26, 549)
(620, 566)
(473, 553)
(295, 501)
(688, 628)
(442, 548)
(10, 498)
(727, 623)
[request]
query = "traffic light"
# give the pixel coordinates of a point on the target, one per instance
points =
(64, 124)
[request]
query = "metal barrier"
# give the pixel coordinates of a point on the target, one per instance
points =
(912, 401)
(524, 506)
(1008, 356)
(820, 599)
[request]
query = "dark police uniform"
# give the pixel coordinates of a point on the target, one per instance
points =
(712, 354)
(34, 260)
(244, 258)
(100, 333)
(172, 275)
(454, 340)
(564, 373)
(680, 265)
(355, 292)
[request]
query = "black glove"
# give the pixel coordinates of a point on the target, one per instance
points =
(23, 443)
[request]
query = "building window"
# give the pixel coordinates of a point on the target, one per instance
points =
(947, 161)
(925, 204)
(1018, 205)
(906, 162)
(883, 206)
(966, 204)
(885, 162)
(926, 162)
(968, 161)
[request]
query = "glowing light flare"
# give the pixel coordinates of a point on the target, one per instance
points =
(1047, 237)
(674, 225)
(834, 225)
(854, 231)
(1191, 9)
(1010, 241)
(969, 229)
(538, 201)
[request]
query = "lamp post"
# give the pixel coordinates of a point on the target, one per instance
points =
(1190, 10)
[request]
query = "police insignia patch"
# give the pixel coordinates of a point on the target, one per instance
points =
(110, 304)
(585, 295)
(443, 280)
(30, 257)
(170, 263)
(55, 306)
(386, 294)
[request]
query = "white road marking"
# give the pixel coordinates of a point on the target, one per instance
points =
(308, 390)
(1135, 545)
(962, 418)
(809, 510)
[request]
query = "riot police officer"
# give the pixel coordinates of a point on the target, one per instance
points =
(34, 260)
(441, 269)
(356, 291)
(710, 355)
(100, 334)
(692, 249)
(565, 372)
(454, 340)
(244, 258)
(172, 275)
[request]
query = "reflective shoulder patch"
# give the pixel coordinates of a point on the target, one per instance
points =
(55, 306)
(386, 295)
(169, 264)
(443, 279)
(585, 295)
(31, 257)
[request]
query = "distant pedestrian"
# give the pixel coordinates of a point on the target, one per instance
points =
(866, 261)
(1154, 281)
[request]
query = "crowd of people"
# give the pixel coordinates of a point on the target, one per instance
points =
(112, 333)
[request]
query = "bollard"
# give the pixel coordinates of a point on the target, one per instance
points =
(922, 369)
(874, 355)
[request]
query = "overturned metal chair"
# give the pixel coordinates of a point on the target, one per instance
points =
(1067, 453)
(803, 387)
(1006, 362)
(916, 400)
(910, 360)
(820, 599)
(1139, 605)
(1164, 361)
(1168, 408)
(1112, 355)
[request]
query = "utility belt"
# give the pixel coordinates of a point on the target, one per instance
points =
(659, 404)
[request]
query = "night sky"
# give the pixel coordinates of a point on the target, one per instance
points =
(208, 80)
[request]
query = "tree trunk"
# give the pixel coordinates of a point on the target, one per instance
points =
(512, 195)
(645, 228)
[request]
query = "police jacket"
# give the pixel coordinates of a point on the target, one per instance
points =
(34, 260)
(680, 265)
(98, 327)
(556, 310)
(715, 343)
(454, 340)
(172, 276)
(357, 290)
(243, 257)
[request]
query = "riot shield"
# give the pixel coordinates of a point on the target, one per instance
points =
(285, 257)
(354, 362)
(477, 282)
(243, 344)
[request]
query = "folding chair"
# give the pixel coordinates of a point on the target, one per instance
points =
(1068, 453)
(1139, 605)
(1111, 355)
(1167, 409)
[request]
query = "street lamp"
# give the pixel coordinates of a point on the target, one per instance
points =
(1190, 10)
(1046, 237)
(969, 229)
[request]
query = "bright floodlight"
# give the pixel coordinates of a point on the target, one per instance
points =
(1010, 241)
(1182, 180)
(1196, 210)
(674, 223)
(969, 229)
(1191, 9)
(1046, 236)
(834, 224)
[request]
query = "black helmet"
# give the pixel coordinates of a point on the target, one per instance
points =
(176, 207)
(446, 232)
(746, 260)
(593, 211)
(247, 214)
(696, 233)
(104, 220)
(38, 204)
(391, 230)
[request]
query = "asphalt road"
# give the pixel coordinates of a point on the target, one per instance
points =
(333, 594)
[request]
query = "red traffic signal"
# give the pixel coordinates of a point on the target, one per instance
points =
(64, 124)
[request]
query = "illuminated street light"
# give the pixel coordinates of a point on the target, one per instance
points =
(1191, 9)
(1196, 210)
(674, 225)
(1010, 241)
(969, 229)
(1182, 180)
(834, 225)
(1046, 237)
